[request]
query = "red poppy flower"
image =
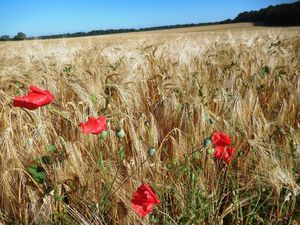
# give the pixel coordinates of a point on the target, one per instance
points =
(222, 143)
(224, 153)
(94, 125)
(221, 139)
(228, 155)
(34, 99)
(143, 200)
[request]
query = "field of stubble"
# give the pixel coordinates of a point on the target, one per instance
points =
(168, 91)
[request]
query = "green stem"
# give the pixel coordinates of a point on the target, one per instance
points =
(194, 151)
(130, 176)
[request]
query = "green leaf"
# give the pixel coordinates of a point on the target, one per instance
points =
(234, 63)
(103, 135)
(121, 152)
(37, 173)
(18, 84)
(46, 159)
(265, 70)
(240, 154)
(51, 148)
(197, 155)
(94, 99)
(43, 159)
(100, 161)
(18, 92)
(200, 92)
(58, 198)
(67, 69)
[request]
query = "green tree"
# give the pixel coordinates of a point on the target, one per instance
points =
(20, 36)
(4, 38)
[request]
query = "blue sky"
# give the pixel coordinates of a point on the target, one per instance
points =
(42, 17)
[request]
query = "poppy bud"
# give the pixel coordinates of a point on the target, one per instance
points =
(206, 142)
(147, 124)
(120, 133)
(240, 154)
(30, 142)
(210, 151)
(151, 151)
(104, 134)
(143, 115)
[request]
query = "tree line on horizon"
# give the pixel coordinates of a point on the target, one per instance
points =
(279, 15)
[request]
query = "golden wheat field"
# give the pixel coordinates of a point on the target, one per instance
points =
(168, 90)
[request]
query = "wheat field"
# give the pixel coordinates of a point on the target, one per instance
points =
(168, 90)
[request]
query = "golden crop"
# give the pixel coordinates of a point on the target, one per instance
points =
(168, 90)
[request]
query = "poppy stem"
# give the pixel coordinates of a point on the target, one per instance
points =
(129, 176)
(186, 158)
(173, 221)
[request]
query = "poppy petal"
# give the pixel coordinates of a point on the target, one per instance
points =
(34, 99)
(143, 200)
(218, 151)
(94, 125)
(220, 138)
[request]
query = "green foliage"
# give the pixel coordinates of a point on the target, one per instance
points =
(4, 38)
(121, 152)
(51, 148)
(37, 173)
(115, 31)
(100, 161)
(94, 99)
(18, 85)
(45, 159)
(114, 66)
(283, 14)
(67, 69)
(265, 70)
(58, 198)
(61, 217)
(103, 135)
(20, 36)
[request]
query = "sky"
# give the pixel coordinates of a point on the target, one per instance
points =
(46, 17)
